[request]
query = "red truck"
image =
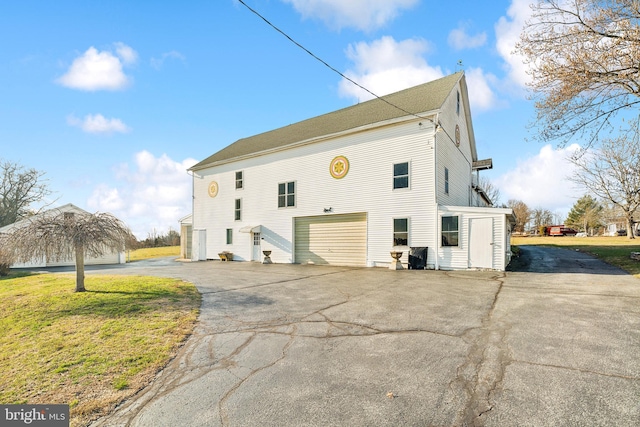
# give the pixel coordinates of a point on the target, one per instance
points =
(561, 230)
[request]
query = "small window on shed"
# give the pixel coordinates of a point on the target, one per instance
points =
(450, 231)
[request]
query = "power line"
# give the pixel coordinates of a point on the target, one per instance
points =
(332, 68)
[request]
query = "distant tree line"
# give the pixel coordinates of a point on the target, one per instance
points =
(587, 215)
(156, 240)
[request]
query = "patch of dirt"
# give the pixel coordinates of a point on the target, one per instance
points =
(519, 262)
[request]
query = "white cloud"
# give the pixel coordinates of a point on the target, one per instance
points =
(459, 39)
(126, 53)
(158, 62)
(508, 30)
(385, 66)
(98, 124)
(481, 95)
(365, 15)
(95, 70)
(541, 180)
(154, 193)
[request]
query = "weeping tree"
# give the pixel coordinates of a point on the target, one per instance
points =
(65, 236)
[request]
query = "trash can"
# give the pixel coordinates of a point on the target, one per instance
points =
(418, 258)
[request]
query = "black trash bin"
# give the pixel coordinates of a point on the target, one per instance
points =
(418, 258)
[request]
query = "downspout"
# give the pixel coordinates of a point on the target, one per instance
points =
(435, 193)
(193, 205)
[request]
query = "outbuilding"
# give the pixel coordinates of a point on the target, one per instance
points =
(110, 258)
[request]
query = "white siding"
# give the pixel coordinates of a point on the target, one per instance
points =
(112, 258)
(454, 258)
(368, 187)
(457, 159)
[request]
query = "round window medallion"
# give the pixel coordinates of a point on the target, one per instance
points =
(457, 136)
(339, 167)
(213, 189)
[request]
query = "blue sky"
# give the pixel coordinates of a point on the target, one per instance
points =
(115, 100)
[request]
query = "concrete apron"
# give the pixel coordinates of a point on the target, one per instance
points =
(316, 345)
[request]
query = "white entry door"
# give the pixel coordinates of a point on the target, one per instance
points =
(481, 243)
(257, 252)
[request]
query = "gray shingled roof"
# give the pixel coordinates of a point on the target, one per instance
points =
(418, 99)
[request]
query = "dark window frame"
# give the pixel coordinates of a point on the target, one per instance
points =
(287, 194)
(446, 181)
(238, 210)
(229, 236)
(239, 180)
(450, 231)
(400, 231)
(401, 178)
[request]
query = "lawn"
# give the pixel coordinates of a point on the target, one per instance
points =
(146, 253)
(613, 250)
(89, 349)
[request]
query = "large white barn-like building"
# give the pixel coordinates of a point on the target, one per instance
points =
(350, 186)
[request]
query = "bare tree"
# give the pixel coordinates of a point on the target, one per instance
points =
(65, 236)
(19, 189)
(612, 173)
(583, 59)
(490, 190)
(522, 213)
(541, 217)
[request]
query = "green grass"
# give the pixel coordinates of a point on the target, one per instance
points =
(147, 253)
(89, 349)
(613, 250)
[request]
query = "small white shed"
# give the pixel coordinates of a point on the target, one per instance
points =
(484, 240)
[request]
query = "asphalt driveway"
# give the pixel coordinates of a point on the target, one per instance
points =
(285, 345)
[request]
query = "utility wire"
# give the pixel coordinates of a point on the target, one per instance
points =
(332, 68)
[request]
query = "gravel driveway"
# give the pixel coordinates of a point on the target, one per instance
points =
(281, 345)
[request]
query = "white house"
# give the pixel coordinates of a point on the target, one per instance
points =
(112, 258)
(348, 187)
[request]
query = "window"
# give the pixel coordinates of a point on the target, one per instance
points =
(401, 175)
(449, 231)
(238, 210)
(256, 239)
(458, 103)
(286, 194)
(400, 231)
(239, 180)
(446, 181)
(229, 236)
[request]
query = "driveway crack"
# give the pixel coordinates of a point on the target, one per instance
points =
(482, 372)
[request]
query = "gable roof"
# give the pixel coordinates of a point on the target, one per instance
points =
(417, 100)
(69, 207)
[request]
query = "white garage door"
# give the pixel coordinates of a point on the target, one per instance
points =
(331, 239)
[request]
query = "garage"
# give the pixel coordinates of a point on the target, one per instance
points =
(331, 239)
